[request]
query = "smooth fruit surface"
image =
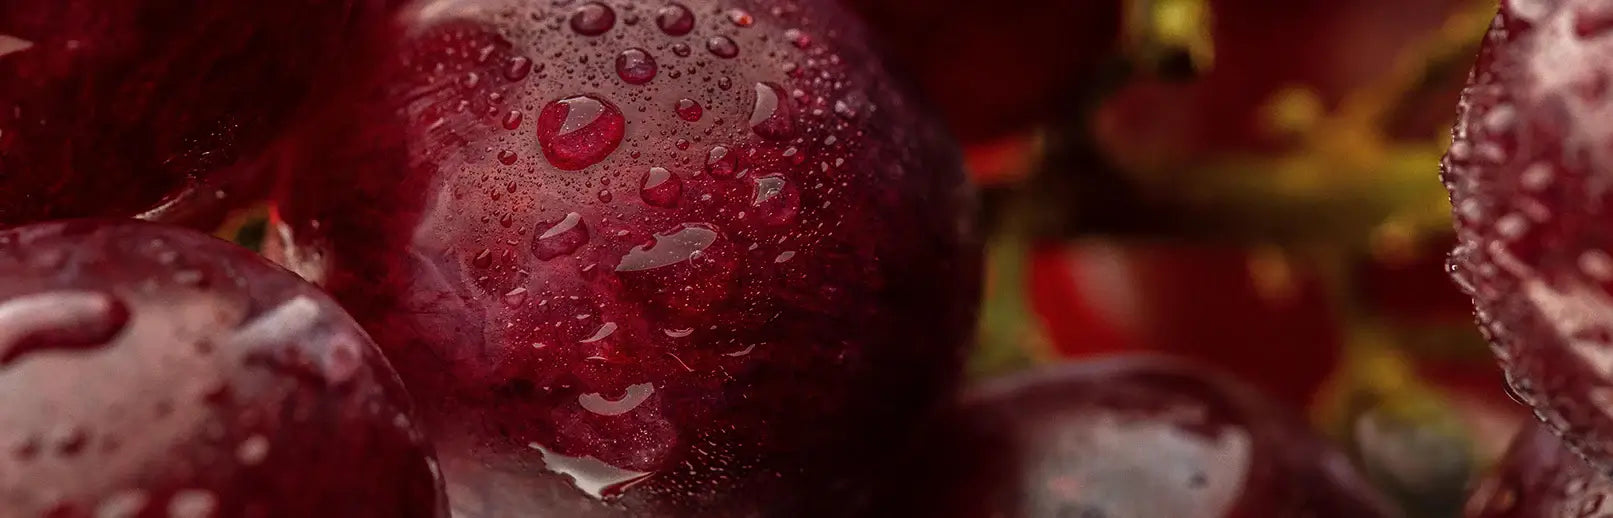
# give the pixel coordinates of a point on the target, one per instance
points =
(1541, 478)
(123, 107)
(153, 371)
(696, 258)
(1528, 174)
(1132, 436)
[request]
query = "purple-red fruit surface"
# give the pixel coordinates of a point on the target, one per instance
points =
(1529, 173)
(1540, 478)
(1126, 437)
(694, 258)
(152, 371)
(158, 107)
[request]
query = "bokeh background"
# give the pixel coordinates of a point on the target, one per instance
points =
(1250, 183)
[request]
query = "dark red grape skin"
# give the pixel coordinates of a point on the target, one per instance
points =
(127, 107)
(723, 290)
(1129, 436)
(151, 371)
(1540, 478)
(1528, 174)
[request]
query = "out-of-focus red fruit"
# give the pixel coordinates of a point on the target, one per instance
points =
(1263, 47)
(993, 69)
(124, 107)
(1274, 329)
(1131, 436)
(1541, 478)
(700, 258)
(153, 371)
(1529, 173)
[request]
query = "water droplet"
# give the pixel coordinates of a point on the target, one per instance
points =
(483, 259)
(596, 478)
(661, 188)
(192, 503)
(515, 298)
(770, 116)
(682, 51)
(518, 68)
(635, 396)
(675, 19)
(689, 110)
(562, 237)
(512, 120)
(604, 331)
(507, 157)
(784, 257)
(722, 47)
(678, 333)
(593, 19)
(11, 44)
(800, 39)
(577, 132)
(124, 504)
(720, 163)
(59, 321)
(740, 18)
(669, 248)
(253, 450)
(635, 66)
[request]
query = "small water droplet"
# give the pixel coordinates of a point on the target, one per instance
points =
(192, 503)
(593, 19)
(770, 116)
(800, 39)
(669, 249)
(577, 132)
(253, 450)
(562, 237)
(722, 47)
(675, 19)
(604, 331)
(512, 120)
(518, 68)
(661, 188)
(124, 504)
(689, 110)
(784, 257)
(635, 66)
(59, 321)
(678, 333)
(515, 298)
(507, 157)
(483, 259)
(681, 50)
(740, 18)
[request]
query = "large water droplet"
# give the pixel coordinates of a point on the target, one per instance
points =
(592, 476)
(561, 237)
(675, 20)
(689, 110)
(593, 19)
(770, 115)
(59, 321)
(661, 188)
(635, 396)
(635, 66)
(577, 132)
(722, 47)
(721, 163)
(669, 249)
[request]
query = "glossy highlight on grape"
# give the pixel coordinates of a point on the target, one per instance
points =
(154, 371)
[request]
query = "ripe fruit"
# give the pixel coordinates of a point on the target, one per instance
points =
(1129, 436)
(120, 107)
(700, 258)
(994, 69)
(153, 371)
(1528, 178)
(1540, 478)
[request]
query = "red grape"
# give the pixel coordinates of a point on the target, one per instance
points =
(154, 371)
(1127, 436)
(120, 107)
(993, 69)
(1528, 177)
(1541, 478)
(692, 259)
